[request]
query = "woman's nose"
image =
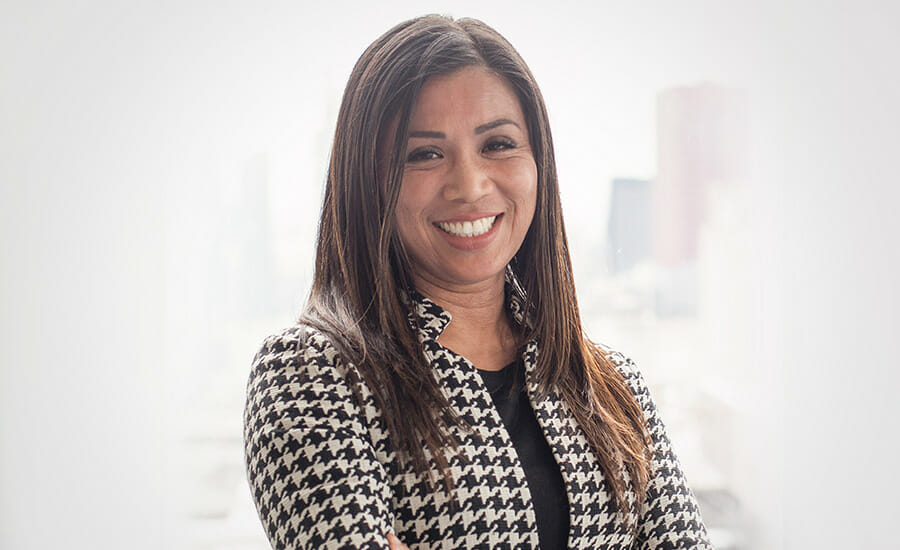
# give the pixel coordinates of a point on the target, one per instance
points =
(468, 181)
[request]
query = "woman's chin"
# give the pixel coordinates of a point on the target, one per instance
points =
(463, 275)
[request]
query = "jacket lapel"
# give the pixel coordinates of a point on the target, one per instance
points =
(490, 483)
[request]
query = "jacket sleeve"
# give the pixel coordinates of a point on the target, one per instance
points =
(312, 470)
(669, 517)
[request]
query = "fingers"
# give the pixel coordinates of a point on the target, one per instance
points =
(395, 542)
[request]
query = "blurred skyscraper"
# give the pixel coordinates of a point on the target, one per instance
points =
(247, 253)
(630, 235)
(700, 145)
(699, 134)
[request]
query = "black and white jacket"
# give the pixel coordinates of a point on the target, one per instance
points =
(323, 475)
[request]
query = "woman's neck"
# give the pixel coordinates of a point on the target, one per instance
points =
(481, 330)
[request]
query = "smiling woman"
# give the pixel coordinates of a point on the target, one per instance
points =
(438, 390)
(469, 185)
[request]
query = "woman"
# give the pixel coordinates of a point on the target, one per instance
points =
(377, 420)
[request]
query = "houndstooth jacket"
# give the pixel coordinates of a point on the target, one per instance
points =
(323, 475)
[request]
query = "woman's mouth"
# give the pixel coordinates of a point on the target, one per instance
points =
(472, 228)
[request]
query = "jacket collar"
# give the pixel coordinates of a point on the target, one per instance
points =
(426, 316)
(429, 319)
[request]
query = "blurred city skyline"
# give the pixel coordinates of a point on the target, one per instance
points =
(162, 174)
(646, 289)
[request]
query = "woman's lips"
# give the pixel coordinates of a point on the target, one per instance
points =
(468, 228)
(470, 234)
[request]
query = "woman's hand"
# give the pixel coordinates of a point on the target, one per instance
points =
(395, 542)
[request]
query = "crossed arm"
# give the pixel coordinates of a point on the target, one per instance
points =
(669, 517)
(317, 482)
(312, 470)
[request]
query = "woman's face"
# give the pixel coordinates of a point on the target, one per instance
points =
(470, 182)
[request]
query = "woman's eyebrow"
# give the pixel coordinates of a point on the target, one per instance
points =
(427, 134)
(478, 129)
(491, 125)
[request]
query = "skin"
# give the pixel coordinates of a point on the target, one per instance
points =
(395, 542)
(468, 157)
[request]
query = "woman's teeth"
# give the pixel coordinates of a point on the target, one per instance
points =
(468, 229)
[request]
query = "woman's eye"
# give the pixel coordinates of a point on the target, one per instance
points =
(422, 154)
(499, 145)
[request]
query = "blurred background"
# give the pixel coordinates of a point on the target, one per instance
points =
(729, 181)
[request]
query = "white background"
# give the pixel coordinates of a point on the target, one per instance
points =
(118, 122)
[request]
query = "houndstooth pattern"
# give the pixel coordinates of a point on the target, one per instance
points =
(323, 475)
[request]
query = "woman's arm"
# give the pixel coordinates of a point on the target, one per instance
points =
(670, 517)
(312, 470)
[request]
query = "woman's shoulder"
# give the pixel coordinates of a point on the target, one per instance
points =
(298, 355)
(298, 380)
(629, 371)
(623, 363)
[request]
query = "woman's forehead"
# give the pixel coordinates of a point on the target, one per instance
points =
(472, 95)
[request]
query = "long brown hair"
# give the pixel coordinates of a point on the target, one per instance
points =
(362, 270)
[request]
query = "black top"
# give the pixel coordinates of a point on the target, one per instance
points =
(548, 492)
